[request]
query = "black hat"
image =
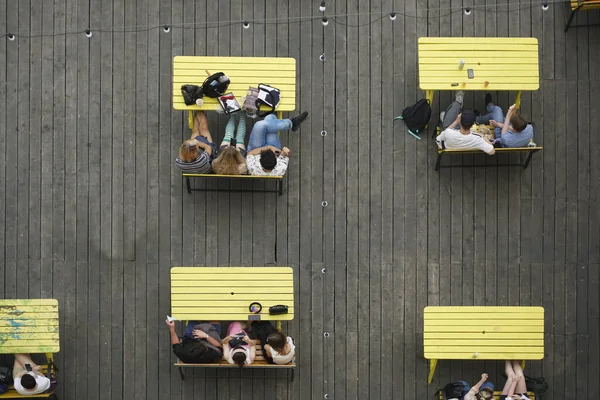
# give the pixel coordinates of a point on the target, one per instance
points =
(467, 118)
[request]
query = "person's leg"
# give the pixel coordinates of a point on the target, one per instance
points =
(229, 129)
(510, 375)
(240, 137)
(201, 126)
(495, 113)
(275, 125)
(258, 135)
(451, 113)
(521, 384)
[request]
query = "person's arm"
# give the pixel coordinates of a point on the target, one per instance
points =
(251, 342)
(509, 114)
(484, 377)
(259, 150)
(205, 147)
(172, 333)
(267, 350)
(226, 350)
(200, 334)
(456, 122)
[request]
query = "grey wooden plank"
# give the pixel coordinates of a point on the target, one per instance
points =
(318, 340)
(571, 193)
(594, 223)
(593, 319)
(23, 162)
(3, 155)
(33, 112)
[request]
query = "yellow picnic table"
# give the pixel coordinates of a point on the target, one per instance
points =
(496, 63)
(225, 293)
(243, 72)
(482, 333)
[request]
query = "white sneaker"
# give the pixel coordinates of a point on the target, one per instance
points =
(459, 97)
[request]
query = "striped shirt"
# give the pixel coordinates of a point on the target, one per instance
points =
(200, 165)
(254, 167)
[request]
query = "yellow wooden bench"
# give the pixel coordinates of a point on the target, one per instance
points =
(482, 333)
(29, 326)
(278, 180)
(497, 395)
(528, 150)
(581, 5)
(259, 362)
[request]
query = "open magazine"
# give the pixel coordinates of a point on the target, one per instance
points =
(229, 103)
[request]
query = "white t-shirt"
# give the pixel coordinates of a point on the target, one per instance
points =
(43, 384)
(284, 358)
(243, 350)
(254, 167)
(453, 139)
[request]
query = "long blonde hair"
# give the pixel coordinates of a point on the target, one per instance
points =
(188, 151)
(229, 162)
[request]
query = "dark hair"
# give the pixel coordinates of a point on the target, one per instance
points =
(239, 358)
(518, 123)
(276, 340)
(268, 159)
(28, 381)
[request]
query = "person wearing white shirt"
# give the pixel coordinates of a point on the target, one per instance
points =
(27, 375)
(457, 134)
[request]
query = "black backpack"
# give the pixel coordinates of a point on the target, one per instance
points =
(454, 390)
(215, 85)
(416, 117)
(538, 386)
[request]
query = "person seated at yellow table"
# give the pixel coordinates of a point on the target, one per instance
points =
(197, 153)
(462, 138)
(230, 160)
(280, 348)
(238, 348)
(515, 386)
(201, 343)
(27, 375)
(265, 156)
(516, 132)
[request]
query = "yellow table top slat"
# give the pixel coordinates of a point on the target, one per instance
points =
(29, 326)
(224, 293)
(587, 4)
(490, 333)
(492, 66)
(243, 72)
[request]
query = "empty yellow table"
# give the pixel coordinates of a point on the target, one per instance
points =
(225, 293)
(496, 64)
(29, 326)
(482, 333)
(243, 72)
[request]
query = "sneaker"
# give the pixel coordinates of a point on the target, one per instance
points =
(296, 121)
(488, 99)
(459, 97)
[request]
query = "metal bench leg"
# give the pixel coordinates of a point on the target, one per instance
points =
(432, 365)
(439, 160)
(280, 186)
(572, 16)
(292, 375)
(518, 100)
(523, 364)
(528, 159)
(188, 185)
(181, 374)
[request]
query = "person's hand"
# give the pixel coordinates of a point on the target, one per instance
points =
(512, 108)
(273, 149)
(285, 152)
(458, 118)
(171, 324)
(246, 339)
(484, 376)
(37, 368)
(494, 123)
(200, 334)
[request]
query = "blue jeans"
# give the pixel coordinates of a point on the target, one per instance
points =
(495, 113)
(265, 132)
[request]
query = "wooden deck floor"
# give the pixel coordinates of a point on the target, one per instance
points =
(94, 212)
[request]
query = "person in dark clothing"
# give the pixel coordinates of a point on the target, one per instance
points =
(200, 344)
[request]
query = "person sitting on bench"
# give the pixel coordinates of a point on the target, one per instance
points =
(238, 348)
(232, 151)
(452, 138)
(27, 375)
(265, 155)
(201, 342)
(197, 153)
(515, 386)
(279, 348)
(516, 132)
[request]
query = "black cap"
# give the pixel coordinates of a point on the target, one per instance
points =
(467, 118)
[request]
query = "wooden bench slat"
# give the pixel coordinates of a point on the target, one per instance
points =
(497, 395)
